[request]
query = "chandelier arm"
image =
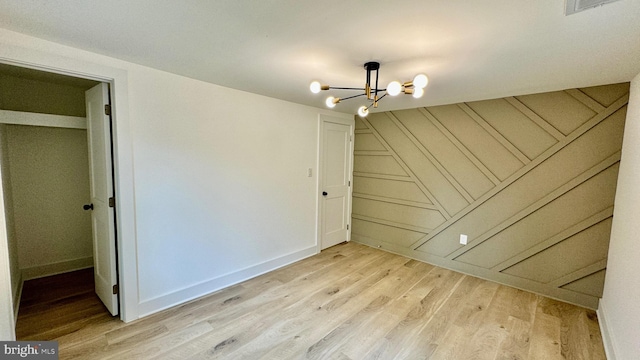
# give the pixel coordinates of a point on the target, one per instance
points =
(352, 97)
(375, 103)
(345, 88)
(372, 103)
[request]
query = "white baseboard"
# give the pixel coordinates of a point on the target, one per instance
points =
(39, 271)
(162, 302)
(607, 338)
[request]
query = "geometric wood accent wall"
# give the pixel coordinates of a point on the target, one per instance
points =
(530, 179)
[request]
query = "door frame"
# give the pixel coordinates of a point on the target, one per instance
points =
(122, 156)
(342, 119)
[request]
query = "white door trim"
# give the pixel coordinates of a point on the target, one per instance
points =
(123, 156)
(337, 119)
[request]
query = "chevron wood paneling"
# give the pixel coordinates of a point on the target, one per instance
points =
(530, 179)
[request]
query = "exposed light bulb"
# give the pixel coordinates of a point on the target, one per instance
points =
(363, 111)
(420, 81)
(315, 87)
(332, 101)
(418, 92)
(394, 88)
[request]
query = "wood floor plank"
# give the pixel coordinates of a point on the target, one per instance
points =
(469, 326)
(597, 346)
(379, 326)
(309, 308)
(333, 340)
(334, 312)
(441, 283)
(545, 338)
(267, 308)
(161, 345)
(523, 305)
(436, 325)
(575, 328)
(304, 313)
(492, 330)
(516, 344)
(349, 302)
(381, 323)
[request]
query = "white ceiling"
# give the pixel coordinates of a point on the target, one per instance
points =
(470, 49)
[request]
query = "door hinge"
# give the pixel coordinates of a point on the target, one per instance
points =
(112, 202)
(347, 226)
(107, 109)
(349, 183)
(115, 289)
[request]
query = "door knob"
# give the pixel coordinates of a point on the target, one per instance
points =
(324, 193)
(88, 207)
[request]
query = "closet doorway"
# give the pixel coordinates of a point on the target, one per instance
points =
(47, 178)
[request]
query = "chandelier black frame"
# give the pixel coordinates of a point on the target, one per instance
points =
(414, 88)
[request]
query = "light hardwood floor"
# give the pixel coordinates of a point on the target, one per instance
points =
(349, 302)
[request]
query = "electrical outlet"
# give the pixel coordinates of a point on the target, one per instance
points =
(463, 239)
(309, 172)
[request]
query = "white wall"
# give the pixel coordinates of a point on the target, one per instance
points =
(619, 310)
(221, 182)
(212, 181)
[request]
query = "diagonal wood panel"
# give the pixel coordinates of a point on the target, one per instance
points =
(586, 248)
(432, 140)
(390, 189)
(424, 170)
(457, 143)
(495, 134)
(425, 152)
(544, 173)
(478, 140)
(593, 146)
(528, 136)
(409, 172)
(559, 109)
(591, 284)
(610, 173)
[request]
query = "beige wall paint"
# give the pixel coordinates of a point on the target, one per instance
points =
(49, 179)
(32, 95)
(619, 311)
(530, 179)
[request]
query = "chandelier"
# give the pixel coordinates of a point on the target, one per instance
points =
(372, 93)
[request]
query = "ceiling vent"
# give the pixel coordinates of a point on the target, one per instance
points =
(574, 6)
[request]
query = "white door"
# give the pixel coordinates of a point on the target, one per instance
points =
(335, 183)
(103, 213)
